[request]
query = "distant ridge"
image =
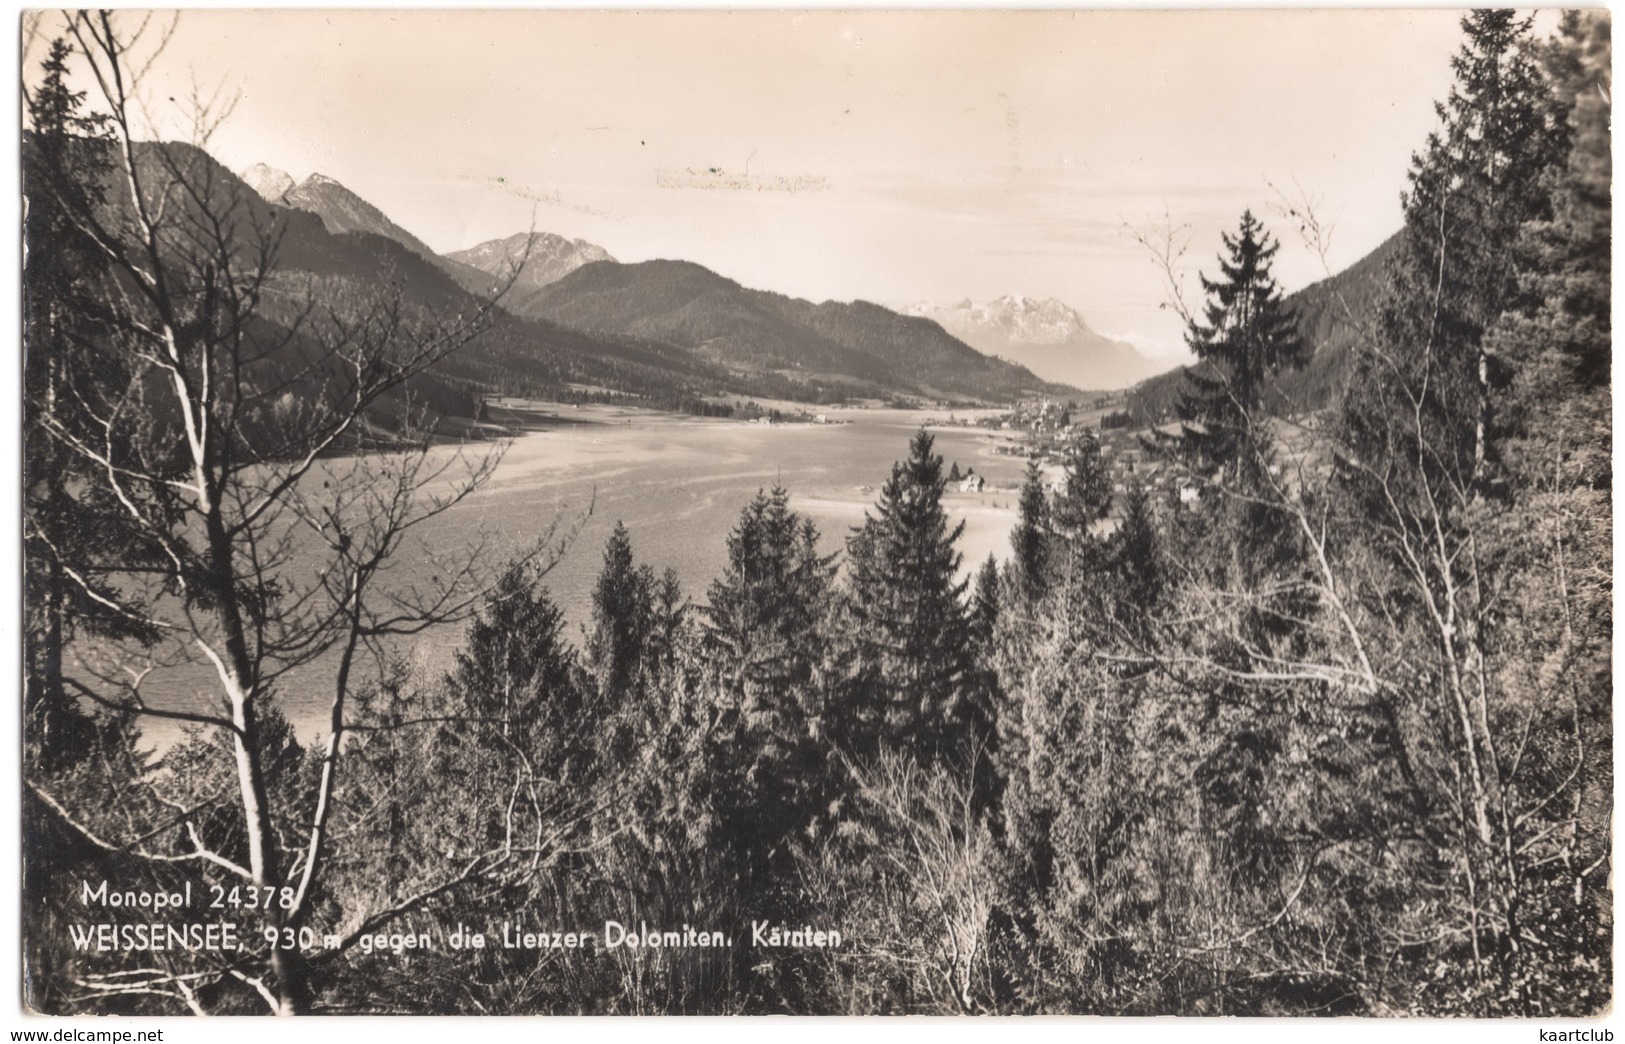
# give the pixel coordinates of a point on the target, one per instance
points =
(753, 331)
(513, 355)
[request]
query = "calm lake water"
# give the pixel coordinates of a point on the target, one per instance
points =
(679, 489)
(678, 485)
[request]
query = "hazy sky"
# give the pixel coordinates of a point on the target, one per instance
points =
(889, 156)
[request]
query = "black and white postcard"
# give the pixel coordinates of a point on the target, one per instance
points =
(1094, 513)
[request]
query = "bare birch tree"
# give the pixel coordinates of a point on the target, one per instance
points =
(267, 444)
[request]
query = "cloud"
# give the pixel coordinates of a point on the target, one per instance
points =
(1049, 213)
(715, 178)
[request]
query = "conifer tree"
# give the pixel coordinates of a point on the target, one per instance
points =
(668, 621)
(764, 615)
(1474, 186)
(1551, 442)
(623, 611)
(1450, 534)
(907, 603)
(70, 524)
(515, 671)
(984, 616)
(1246, 334)
(984, 623)
(1029, 568)
(764, 642)
(514, 693)
(1085, 495)
(1559, 334)
(1137, 557)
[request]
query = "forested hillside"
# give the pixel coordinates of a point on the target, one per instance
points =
(358, 271)
(722, 322)
(509, 354)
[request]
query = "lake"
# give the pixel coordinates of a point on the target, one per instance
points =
(678, 484)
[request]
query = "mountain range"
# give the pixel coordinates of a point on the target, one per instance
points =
(671, 330)
(743, 340)
(1046, 336)
(343, 211)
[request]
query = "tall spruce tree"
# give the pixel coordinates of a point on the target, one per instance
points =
(764, 638)
(1551, 442)
(515, 698)
(1029, 540)
(1085, 496)
(1463, 547)
(762, 624)
(515, 671)
(984, 615)
(1474, 186)
(623, 617)
(1246, 334)
(908, 607)
(1558, 335)
(77, 536)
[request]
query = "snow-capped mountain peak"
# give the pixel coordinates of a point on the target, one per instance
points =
(1031, 320)
(1015, 316)
(547, 257)
(268, 181)
(1047, 336)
